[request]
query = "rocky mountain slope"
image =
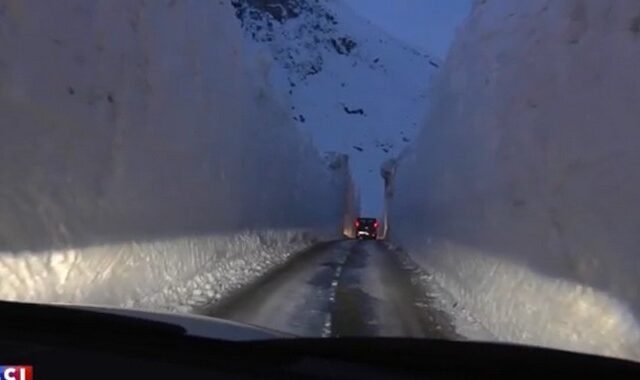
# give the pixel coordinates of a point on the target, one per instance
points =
(352, 87)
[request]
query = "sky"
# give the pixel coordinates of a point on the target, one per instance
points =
(404, 19)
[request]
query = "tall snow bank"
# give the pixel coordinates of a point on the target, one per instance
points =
(133, 136)
(522, 193)
(181, 274)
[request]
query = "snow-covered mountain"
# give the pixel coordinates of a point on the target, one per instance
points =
(352, 87)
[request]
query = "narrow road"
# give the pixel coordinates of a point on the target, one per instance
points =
(342, 288)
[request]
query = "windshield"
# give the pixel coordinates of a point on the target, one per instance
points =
(451, 169)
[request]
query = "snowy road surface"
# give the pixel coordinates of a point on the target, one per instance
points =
(341, 288)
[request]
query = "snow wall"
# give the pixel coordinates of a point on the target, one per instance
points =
(144, 159)
(352, 211)
(522, 194)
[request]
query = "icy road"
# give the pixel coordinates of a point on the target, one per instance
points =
(341, 288)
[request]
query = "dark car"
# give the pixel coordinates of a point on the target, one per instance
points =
(366, 228)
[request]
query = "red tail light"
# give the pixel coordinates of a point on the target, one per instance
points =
(375, 225)
(357, 223)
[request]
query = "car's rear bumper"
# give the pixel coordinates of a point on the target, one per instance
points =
(365, 234)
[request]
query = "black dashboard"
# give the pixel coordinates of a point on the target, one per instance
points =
(63, 343)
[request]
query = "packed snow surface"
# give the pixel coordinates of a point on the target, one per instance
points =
(521, 194)
(175, 275)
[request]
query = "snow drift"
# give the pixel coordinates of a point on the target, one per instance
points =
(139, 142)
(181, 274)
(522, 193)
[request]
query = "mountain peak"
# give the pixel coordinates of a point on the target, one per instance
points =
(351, 86)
